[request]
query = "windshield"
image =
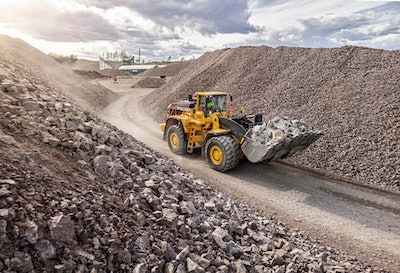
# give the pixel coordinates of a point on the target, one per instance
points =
(216, 103)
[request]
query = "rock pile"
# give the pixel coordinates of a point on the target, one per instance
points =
(278, 138)
(78, 195)
(166, 71)
(352, 93)
(90, 75)
(92, 97)
(150, 82)
(278, 128)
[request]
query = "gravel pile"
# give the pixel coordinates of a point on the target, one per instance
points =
(150, 82)
(351, 93)
(90, 74)
(62, 79)
(167, 71)
(115, 72)
(78, 195)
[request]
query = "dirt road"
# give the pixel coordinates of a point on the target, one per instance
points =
(361, 221)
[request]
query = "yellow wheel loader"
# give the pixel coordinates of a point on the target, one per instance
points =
(208, 122)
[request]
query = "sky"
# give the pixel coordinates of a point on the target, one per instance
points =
(186, 29)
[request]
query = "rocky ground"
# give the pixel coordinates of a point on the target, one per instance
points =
(78, 195)
(351, 93)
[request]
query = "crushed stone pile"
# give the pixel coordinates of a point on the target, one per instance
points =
(114, 72)
(90, 75)
(169, 70)
(89, 96)
(78, 195)
(149, 82)
(352, 93)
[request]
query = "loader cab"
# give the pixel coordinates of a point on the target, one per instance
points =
(212, 102)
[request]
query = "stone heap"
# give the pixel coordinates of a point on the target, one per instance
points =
(279, 138)
(279, 128)
(78, 195)
(149, 82)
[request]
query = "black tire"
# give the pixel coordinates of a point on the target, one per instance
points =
(176, 139)
(222, 153)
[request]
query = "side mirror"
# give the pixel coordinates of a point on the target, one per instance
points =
(190, 98)
(230, 98)
(258, 118)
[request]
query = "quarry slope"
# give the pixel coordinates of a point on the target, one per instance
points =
(62, 79)
(352, 93)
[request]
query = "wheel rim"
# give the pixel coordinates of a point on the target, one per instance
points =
(174, 140)
(216, 155)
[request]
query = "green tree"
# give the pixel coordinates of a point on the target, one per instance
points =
(63, 59)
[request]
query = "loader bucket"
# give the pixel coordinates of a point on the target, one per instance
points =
(277, 148)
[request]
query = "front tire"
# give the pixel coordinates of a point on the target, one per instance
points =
(176, 139)
(222, 153)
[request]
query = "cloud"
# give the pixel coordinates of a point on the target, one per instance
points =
(74, 27)
(205, 16)
(91, 20)
(358, 27)
(182, 28)
(44, 20)
(329, 24)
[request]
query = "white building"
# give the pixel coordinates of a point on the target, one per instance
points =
(137, 69)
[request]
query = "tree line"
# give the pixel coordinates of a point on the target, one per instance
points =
(63, 59)
(116, 56)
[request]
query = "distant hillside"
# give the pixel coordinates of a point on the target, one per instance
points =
(53, 74)
(352, 93)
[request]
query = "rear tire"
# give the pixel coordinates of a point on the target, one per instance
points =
(222, 153)
(176, 139)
